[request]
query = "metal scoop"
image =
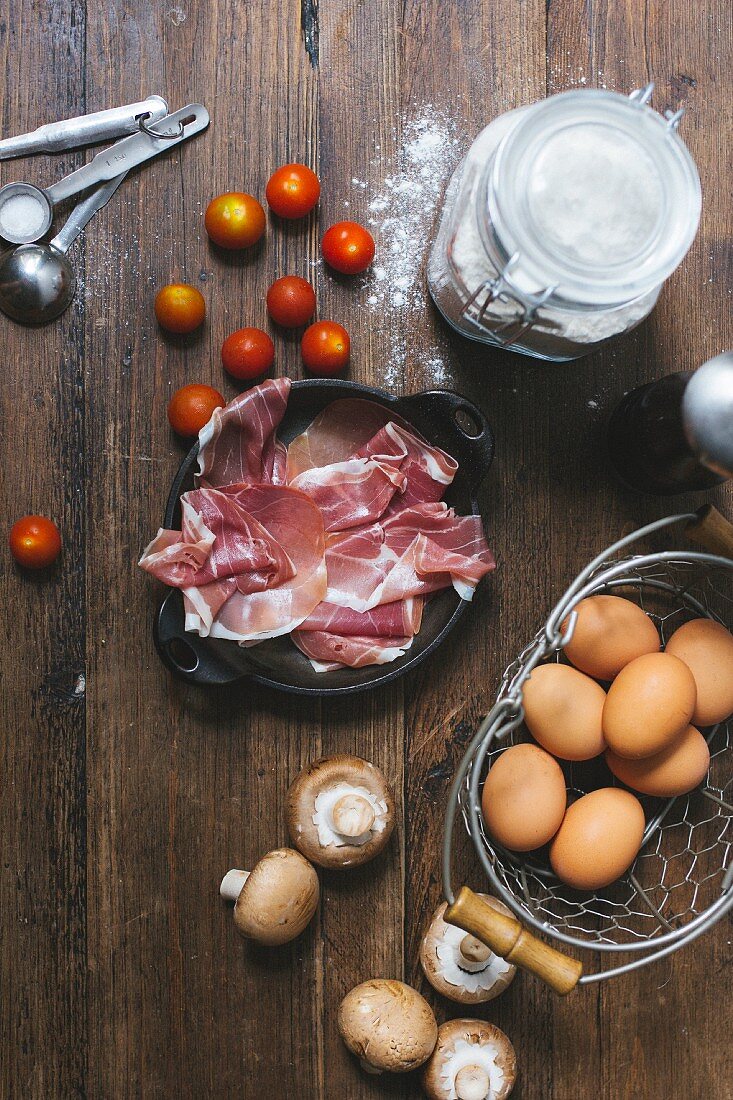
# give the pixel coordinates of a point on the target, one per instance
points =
(37, 282)
(26, 212)
(70, 133)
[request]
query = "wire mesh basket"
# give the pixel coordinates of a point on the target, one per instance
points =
(681, 881)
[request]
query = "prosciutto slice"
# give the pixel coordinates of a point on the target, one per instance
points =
(328, 652)
(294, 521)
(357, 563)
(337, 433)
(428, 470)
(390, 620)
(352, 493)
(238, 443)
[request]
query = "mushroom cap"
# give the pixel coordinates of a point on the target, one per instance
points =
(388, 1025)
(445, 938)
(470, 1042)
(278, 899)
(326, 774)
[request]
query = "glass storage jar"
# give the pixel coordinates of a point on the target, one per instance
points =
(562, 222)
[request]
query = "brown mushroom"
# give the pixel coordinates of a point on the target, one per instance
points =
(473, 1060)
(459, 966)
(276, 900)
(387, 1025)
(340, 811)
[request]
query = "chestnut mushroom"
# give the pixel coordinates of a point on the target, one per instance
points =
(340, 811)
(388, 1025)
(472, 1060)
(276, 900)
(458, 965)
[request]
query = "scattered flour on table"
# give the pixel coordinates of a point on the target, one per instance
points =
(401, 216)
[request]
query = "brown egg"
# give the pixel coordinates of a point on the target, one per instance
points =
(675, 770)
(599, 839)
(524, 798)
(706, 648)
(648, 705)
(610, 632)
(563, 710)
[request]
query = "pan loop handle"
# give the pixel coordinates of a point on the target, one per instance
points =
(507, 938)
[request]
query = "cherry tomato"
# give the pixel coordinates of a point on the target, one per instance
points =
(179, 307)
(247, 353)
(191, 407)
(325, 348)
(291, 301)
(292, 191)
(35, 542)
(348, 247)
(234, 220)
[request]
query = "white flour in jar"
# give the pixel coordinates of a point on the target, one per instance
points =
(556, 331)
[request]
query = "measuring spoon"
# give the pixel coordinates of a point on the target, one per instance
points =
(26, 212)
(37, 282)
(70, 133)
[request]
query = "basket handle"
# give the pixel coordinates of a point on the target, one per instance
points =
(507, 938)
(712, 531)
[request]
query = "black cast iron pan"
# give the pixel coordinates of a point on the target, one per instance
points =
(444, 419)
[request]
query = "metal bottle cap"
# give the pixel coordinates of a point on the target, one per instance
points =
(707, 413)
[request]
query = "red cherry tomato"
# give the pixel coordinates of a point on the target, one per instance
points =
(348, 247)
(291, 301)
(325, 348)
(234, 220)
(292, 191)
(247, 353)
(191, 407)
(179, 307)
(35, 542)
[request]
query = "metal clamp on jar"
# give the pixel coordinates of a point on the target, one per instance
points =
(562, 223)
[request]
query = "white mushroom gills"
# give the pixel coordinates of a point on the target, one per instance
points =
(472, 1083)
(345, 806)
(232, 883)
(480, 1060)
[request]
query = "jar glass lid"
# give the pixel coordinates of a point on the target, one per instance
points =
(597, 194)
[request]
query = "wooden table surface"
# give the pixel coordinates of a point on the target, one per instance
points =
(125, 795)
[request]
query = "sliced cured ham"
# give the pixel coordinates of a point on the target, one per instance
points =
(357, 563)
(338, 433)
(238, 443)
(428, 470)
(294, 521)
(352, 493)
(390, 620)
(328, 652)
(174, 557)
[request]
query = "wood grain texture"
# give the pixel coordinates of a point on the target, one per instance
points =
(125, 795)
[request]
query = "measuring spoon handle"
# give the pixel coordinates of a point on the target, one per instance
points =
(70, 133)
(83, 213)
(131, 151)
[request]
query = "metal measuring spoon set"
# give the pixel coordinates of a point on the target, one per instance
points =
(37, 281)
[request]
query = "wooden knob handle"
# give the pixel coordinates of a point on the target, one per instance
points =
(712, 531)
(506, 937)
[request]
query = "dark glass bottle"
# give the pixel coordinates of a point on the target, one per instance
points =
(670, 437)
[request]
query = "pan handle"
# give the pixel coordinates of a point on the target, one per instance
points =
(448, 415)
(507, 938)
(187, 655)
(712, 531)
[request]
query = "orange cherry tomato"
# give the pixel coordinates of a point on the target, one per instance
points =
(35, 542)
(325, 348)
(247, 353)
(179, 307)
(291, 301)
(191, 407)
(348, 247)
(234, 220)
(292, 191)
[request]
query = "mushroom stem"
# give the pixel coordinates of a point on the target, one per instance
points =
(474, 951)
(472, 1083)
(232, 883)
(352, 815)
